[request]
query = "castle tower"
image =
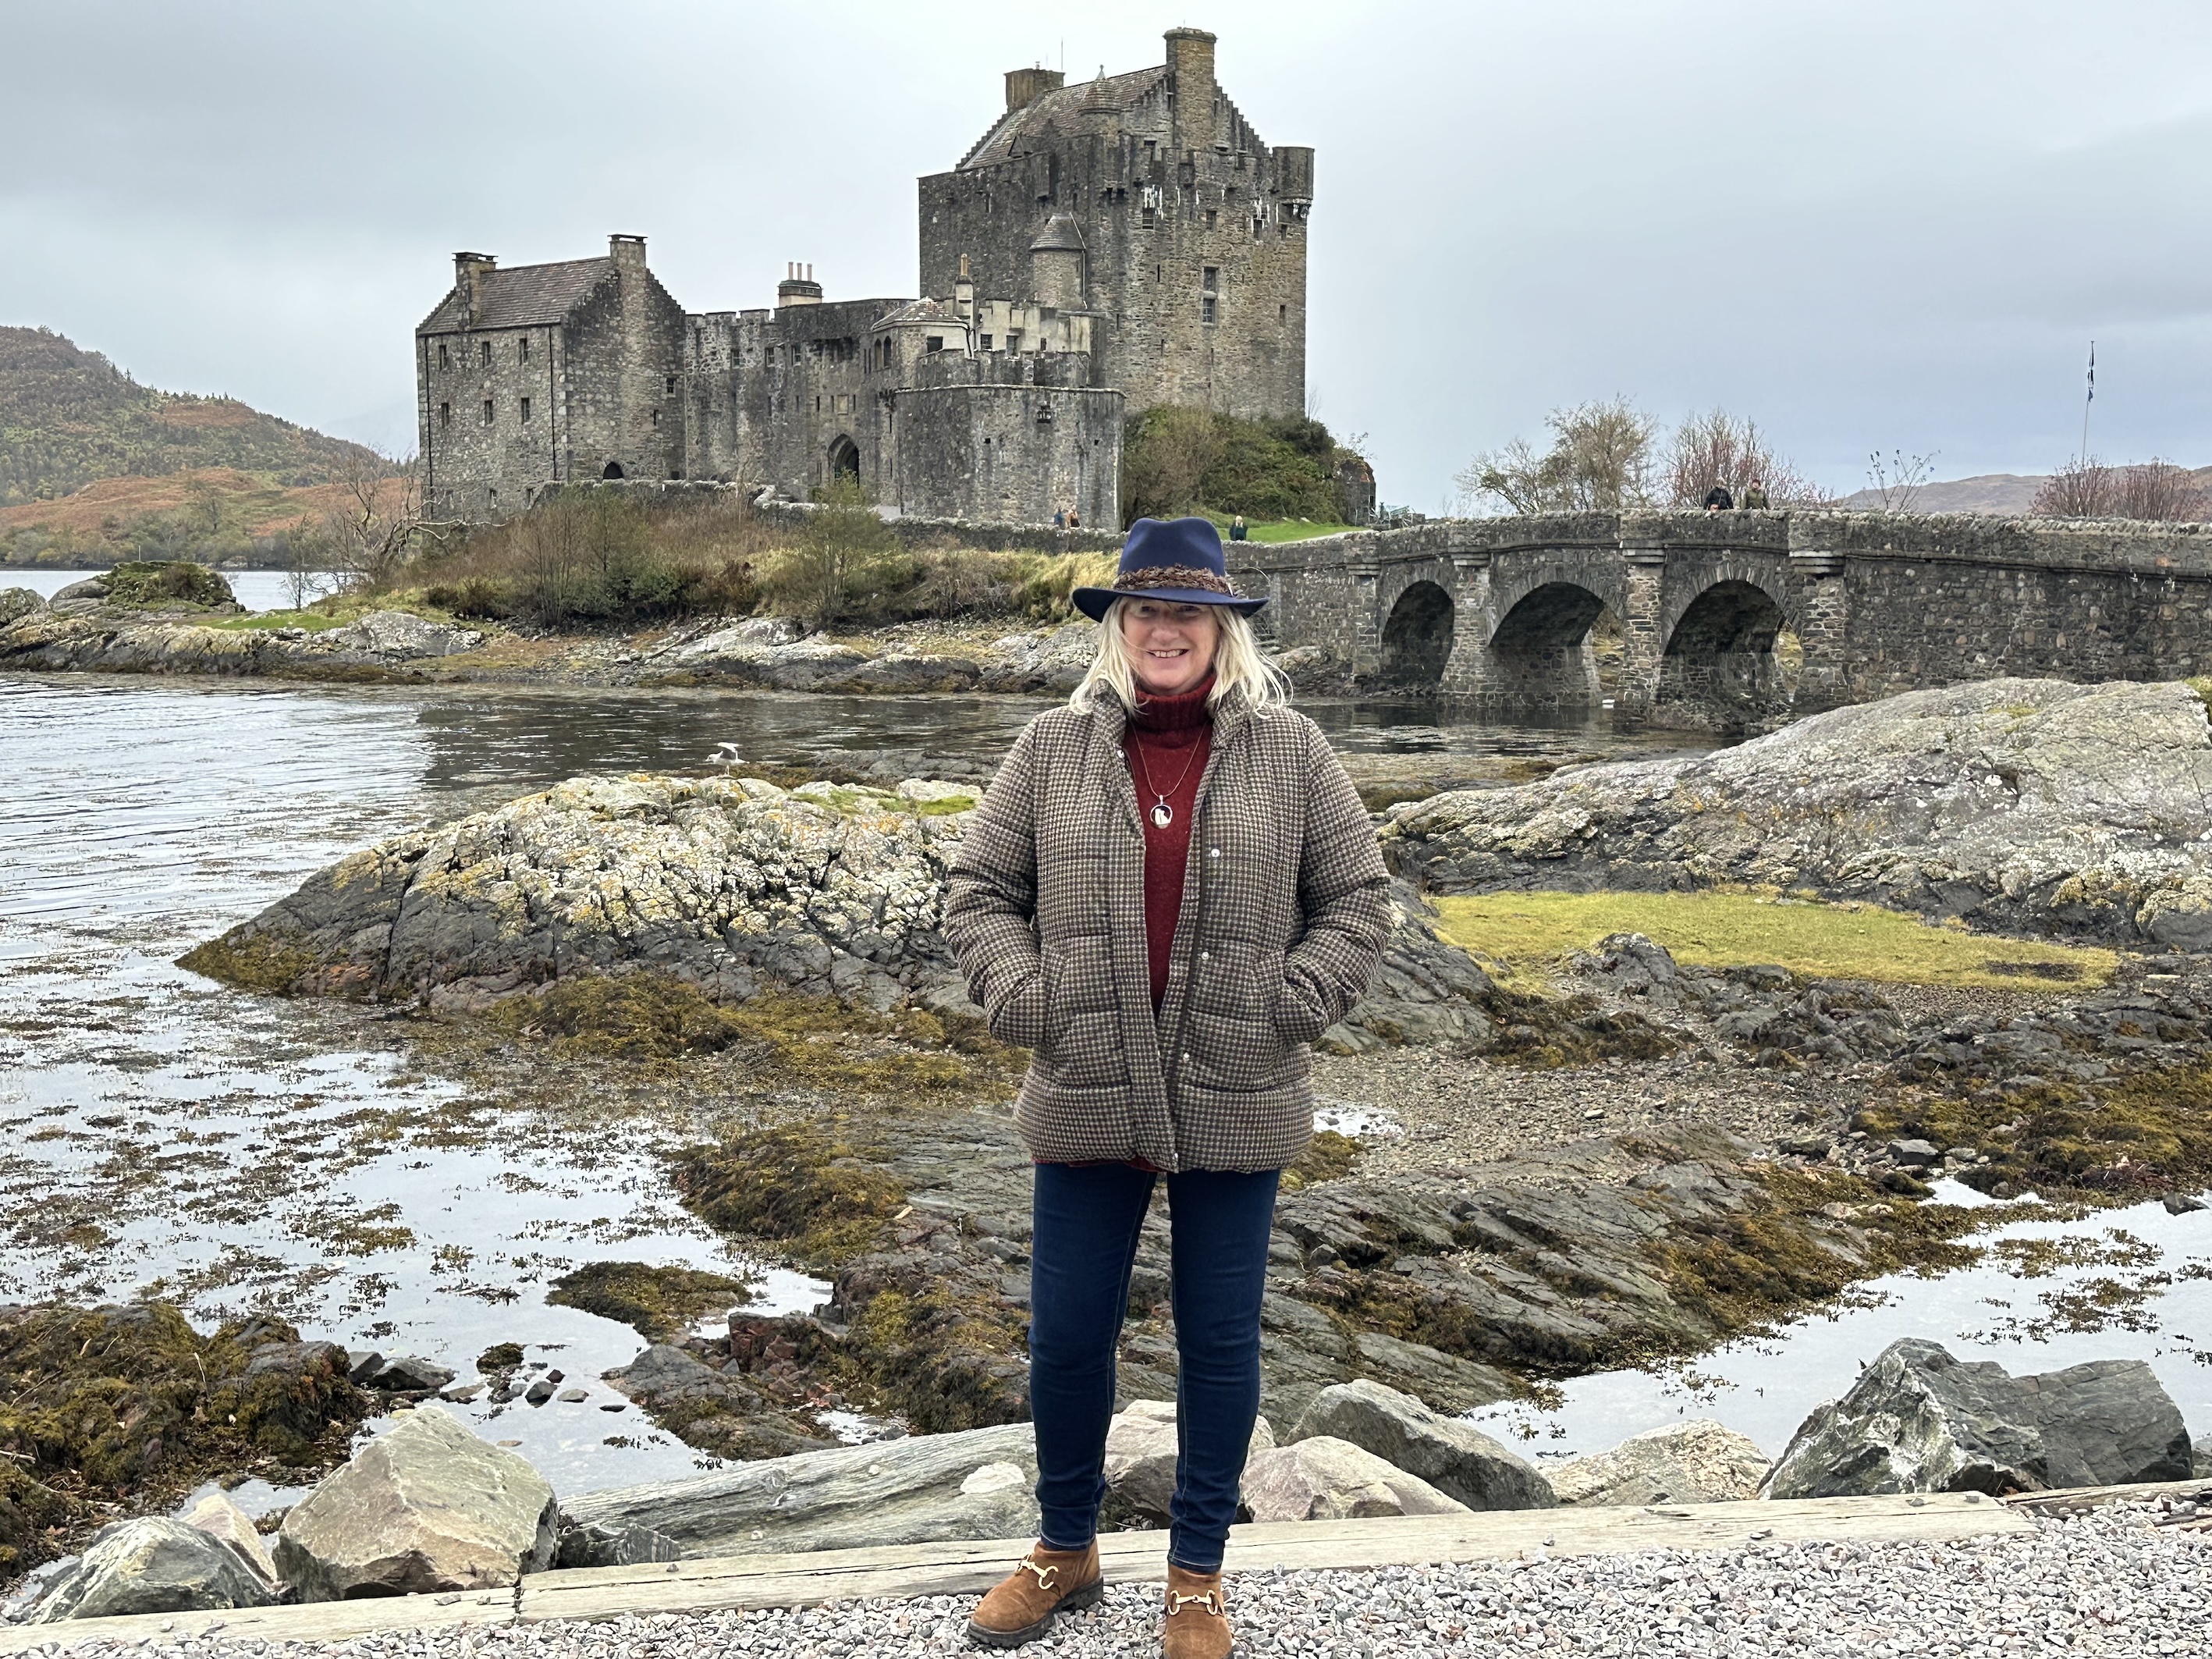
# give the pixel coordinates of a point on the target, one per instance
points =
(1185, 232)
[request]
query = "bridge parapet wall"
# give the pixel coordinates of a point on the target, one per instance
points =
(1878, 602)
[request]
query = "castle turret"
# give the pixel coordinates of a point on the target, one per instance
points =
(1190, 66)
(963, 294)
(469, 271)
(1056, 264)
(1025, 86)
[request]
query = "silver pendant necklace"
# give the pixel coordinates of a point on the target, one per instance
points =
(1162, 814)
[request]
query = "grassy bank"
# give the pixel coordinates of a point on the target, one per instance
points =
(1814, 939)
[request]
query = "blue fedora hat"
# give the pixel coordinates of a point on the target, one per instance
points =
(1177, 560)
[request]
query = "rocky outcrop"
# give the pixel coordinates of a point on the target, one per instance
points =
(95, 637)
(2030, 806)
(424, 1506)
(1454, 1457)
(17, 602)
(1696, 1462)
(151, 1564)
(1919, 1420)
(1327, 1479)
(1141, 1447)
(717, 1410)
(929, 1487)
(730, 883)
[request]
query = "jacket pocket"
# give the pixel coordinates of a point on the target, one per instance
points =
(1297, 1019)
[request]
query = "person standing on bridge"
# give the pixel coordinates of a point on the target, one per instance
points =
(1754, 496)
(1169, 892)
(1718, 499)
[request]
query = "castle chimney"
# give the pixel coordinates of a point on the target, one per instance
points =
(628, 252)
(1025, 86)
(797, 286)
(963, 294)
(469, 272)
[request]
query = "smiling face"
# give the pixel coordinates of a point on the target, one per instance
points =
(1170, 646)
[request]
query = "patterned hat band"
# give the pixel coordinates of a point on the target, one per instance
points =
(1175, 576)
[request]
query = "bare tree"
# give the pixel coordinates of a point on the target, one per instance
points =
(1600, 460)
(1899, 478)
(306, 558)
(1717, 448)
(374, 528)
(2154, 489)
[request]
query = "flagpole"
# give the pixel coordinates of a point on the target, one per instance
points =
(2090, 399)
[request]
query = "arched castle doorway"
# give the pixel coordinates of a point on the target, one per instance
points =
(844, 458)
(613, 471)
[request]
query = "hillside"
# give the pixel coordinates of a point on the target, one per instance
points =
(70, 418)
(2004, 494)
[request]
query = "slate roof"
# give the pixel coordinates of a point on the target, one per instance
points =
(918, 310)
(1088, 105)
(523, 296)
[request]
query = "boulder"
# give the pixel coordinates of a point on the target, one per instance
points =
(424, 1506)
(151, 1564)
(623, 1545)
(1325, 1478)
(1141, 1459)
(1919, 1420)
(901, 671)
(400, 1374)
(808, 665)
(1055, 661)
(1452, 1456)
(2035, 807)
(402, 634)
(216, 1515)
(925, 1488)
(716, 1411)
(1696, 1462)
(17, 602)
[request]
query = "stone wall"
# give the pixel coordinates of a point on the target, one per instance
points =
(912, 529)
(1877, 603)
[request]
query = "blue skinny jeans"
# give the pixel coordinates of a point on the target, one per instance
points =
(1086, 1222)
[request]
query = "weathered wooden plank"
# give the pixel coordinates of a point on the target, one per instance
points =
(917, 1570)
(2077, 1497)
(315, 1621)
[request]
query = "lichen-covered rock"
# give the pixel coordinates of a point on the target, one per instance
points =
(734, 654)
(424, 1506)
(1918, 1420)
(1454, 1457)
(729, 884)
(1695, 1462)
(1329, 1479)
(403, 635)
(2034, 806)
(17, 602)
(151, 1564)
(1054, 661)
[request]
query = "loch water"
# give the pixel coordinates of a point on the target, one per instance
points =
(161, 1134)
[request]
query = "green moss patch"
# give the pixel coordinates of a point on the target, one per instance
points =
(1330, 1156)
(659, 1303)
(1732, 929)
(256, 962)
(943, 1360)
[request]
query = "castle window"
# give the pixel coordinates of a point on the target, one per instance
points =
(525, 408)
(1282, 314)
(484, 353)
(1207, 310)
(671, 384)
(522, 348)
(1014, 339)
(487, 418)
(1213, 219)
(933, 343)
(445, 359)
(987, 343)
(444, 414)
(1149, 217)
(656, 418)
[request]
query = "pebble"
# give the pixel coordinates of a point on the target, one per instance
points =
(2110, 1582)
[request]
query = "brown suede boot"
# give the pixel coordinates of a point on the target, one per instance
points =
(1197, 1625)
(1022, 1607)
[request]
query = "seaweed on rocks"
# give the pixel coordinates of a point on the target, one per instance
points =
(130, 1402)
(659, 1304)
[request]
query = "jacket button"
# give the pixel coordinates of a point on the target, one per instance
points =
(1186, 1059)
(1213, 852)
(1205, 956)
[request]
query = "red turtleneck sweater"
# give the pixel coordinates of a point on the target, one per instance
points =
(1167, 741)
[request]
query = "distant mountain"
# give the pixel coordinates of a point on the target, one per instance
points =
(69, 417)
(2006, 495)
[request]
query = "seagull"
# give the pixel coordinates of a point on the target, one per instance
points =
(726, 754)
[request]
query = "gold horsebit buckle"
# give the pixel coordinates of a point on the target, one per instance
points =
(1045, 1576)
(1210, 1601)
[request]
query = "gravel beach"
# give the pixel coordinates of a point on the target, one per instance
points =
(2111, 1581)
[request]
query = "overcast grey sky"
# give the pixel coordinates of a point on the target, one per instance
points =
(1866, 225)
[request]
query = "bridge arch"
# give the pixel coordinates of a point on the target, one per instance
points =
(1720, 652)
(1417, 638)
(1540, 648)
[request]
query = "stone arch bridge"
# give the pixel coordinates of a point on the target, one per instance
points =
(1736, 619)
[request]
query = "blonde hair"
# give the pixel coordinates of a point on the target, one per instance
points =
(1239, 664)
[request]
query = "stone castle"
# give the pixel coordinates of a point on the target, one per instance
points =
(1102, 249)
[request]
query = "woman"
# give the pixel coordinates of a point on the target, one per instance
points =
(1170, 889)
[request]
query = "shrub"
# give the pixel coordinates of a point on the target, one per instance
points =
(1176, 461)
(845, 564)
(166, 583)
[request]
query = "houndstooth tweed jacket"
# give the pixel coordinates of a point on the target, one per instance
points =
(1283, 913)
